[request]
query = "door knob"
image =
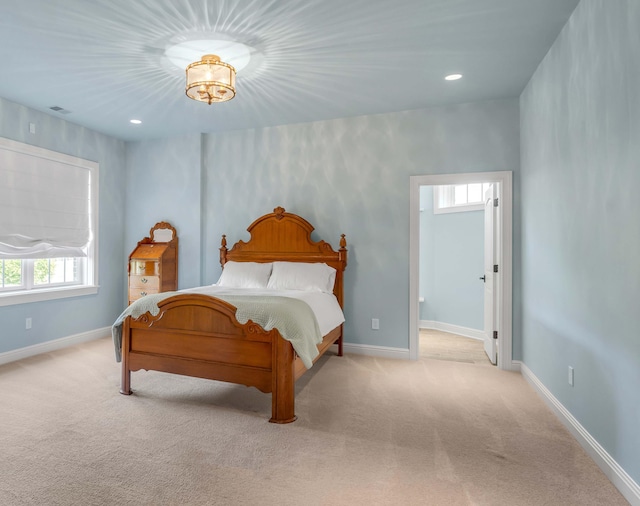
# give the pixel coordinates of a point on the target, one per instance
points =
(483, 278)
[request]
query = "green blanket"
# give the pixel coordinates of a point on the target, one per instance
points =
(293, 318)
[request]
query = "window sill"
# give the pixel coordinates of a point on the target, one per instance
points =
(9, 299)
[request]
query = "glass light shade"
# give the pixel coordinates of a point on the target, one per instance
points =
(234, 53)
(211, 80)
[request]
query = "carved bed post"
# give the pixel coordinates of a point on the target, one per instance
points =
(125, 385)
(223, 250)
(283, 381)
(342, 257)
(343, 246)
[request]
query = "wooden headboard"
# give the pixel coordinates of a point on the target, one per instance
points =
(286, 237)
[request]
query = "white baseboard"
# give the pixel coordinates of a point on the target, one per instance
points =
(57, 344)
(374, 351)
(516, 366)
(616, 474)
(453, 329)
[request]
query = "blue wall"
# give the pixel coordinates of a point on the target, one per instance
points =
(451, 262)
(580, 120)
(65, 317)
(351, 176)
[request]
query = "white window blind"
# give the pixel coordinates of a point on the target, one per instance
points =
(45, 203)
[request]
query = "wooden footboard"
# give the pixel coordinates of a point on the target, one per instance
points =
(197, 335)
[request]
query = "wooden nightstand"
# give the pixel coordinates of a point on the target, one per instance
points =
(153, 264)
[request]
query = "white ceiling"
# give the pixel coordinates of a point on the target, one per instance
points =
(103, 61)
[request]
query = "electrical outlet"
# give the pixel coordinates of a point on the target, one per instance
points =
(27, 323)
(375, 324)
(570, 376)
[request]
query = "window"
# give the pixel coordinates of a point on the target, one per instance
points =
(18, 274)
(48, 224)
(455, 198)
(11, 274)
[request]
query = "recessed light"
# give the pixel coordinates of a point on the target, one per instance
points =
(135, 121)
(453, 77)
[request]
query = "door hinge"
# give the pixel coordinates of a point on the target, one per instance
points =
(495, 202)
(495, 334)
(495, 268)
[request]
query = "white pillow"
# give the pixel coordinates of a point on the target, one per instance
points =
(245, 275)
(311, 277)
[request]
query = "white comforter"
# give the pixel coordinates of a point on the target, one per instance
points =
(324, 305)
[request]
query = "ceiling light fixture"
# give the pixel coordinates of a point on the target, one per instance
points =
(211, 80)
(453, 77)
(135, 121)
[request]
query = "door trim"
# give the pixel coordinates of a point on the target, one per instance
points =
(504, 256)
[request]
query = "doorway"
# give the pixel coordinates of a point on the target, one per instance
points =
(503, 254)
(456, 310)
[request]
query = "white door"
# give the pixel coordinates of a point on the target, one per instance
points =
(489, 275)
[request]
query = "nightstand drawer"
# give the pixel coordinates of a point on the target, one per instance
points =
(150, 284)
(138, 293)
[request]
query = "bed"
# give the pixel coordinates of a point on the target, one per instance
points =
(196, 334)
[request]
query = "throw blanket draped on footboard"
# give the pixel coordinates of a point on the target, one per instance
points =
(293, 318)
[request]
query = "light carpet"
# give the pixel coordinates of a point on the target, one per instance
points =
(441, 345)
(369, 431)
